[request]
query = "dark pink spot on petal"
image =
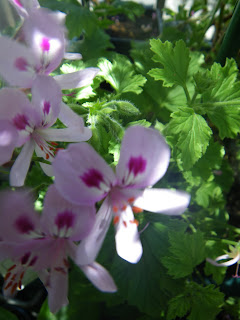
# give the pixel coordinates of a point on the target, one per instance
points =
(21, 64)
(18, 3)
(23, 224)
(92, 178)
(46, 107)
(137, 165)
(25, 258)
(65, 219)
(20, 121)
(45, 44)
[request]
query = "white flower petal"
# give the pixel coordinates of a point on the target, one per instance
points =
(90, 246)
(76, 79)
(99, 277)
(164, 201)
(20, 168)
(127, 239)
(73, 134)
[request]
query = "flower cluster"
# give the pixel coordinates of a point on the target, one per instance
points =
(69, 225)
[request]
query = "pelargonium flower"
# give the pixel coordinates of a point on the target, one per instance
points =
(32, 121)
(87, 178)
(44, 50)
(232, 257)
(44, 243)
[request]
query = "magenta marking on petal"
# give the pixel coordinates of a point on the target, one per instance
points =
(24, 224)
(25, 258)
(20, 121)
(18, 3)
(137, 165)
(92, 178)
(21, 64)
(65, 219)
(46, 107)
(45, 44)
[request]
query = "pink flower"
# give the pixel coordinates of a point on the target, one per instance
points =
(87, 178)
(30, 124)
(44, 243)
(45, 42)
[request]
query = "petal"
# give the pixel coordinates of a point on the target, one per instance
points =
(72, 56)
(18, 220)
(57, 287)
(99, 277)
(127, 239)
(46, 98)
(21, 165)
(171, 202)
(70, 118)
(16, 63)
(45, 36)
(89, 247)
(73, 134)
(23, 6)
(144, 157)
(224, 264)
(62, 218)
(16, 108)
(8, 138)
(77, 79)
(81, 175)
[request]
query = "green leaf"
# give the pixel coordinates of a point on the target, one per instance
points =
(121, 75)
(175, 62)
(185, 253)
(192, 133)
(221, 102)
(207, 191)
(201, 302)
(146, 284)
(125, 108)
(7, 315)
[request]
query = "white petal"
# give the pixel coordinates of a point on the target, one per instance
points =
(89, 247)
(165, 201)
(99, 277)
(128, 244)
(69, 117)
(224, 264)
(20, 168)
(68, 135)
(72, 56)
(76, 79)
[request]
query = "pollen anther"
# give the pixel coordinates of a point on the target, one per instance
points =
(136, 209)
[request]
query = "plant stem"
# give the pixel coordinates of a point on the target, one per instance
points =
(187, 94)
(231, 40)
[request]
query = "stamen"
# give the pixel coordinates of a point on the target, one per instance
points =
(136, 209)
(12, 267)
(14, 288)
(125, 224)
(47, 156)
(7, 276)
(131, 200)
(135, 222)
(115, 220)
(8, 285)
(124, 208)
(115, 209)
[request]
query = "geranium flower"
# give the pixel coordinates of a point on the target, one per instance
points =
(44, 50)
(87, 178)
(232, 257)
(32, 121)
(44, 243)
